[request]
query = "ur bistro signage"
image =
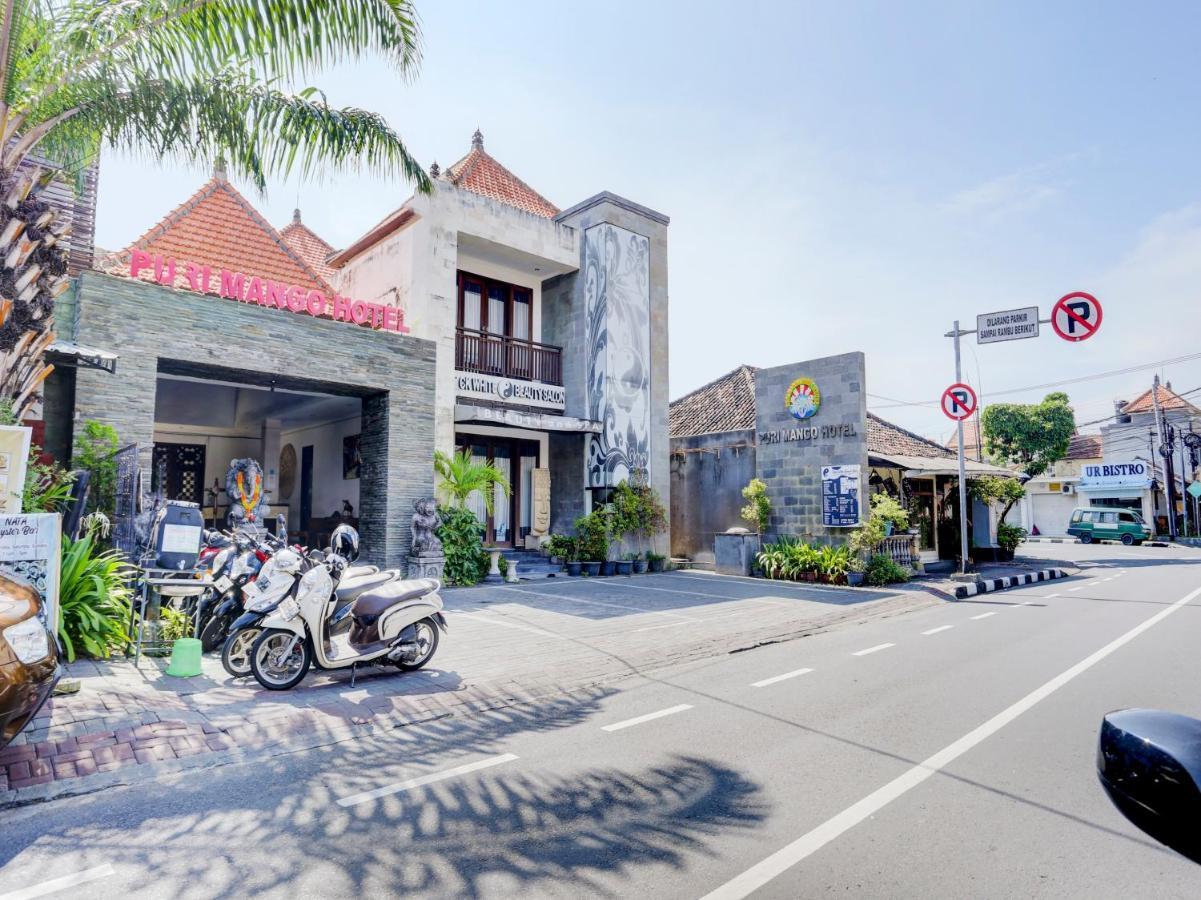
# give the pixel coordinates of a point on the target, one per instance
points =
(280, 295)
(1115, 475)
(508, 390)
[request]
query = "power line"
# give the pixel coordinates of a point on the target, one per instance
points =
(1050, 384)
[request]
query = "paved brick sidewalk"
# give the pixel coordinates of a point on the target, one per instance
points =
(535, 643)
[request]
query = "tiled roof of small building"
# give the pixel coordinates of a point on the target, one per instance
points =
(1168, 399)
(728, 404)
(884, 437)
(218, 227)
(309, 245)
(1084, 446)
(480, 173)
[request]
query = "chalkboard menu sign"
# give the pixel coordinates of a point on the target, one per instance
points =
(840, 496)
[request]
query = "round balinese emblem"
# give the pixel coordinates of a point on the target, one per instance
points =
(802, 398)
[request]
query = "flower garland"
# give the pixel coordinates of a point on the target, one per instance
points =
(251, 503)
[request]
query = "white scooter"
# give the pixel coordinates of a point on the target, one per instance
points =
(395, 624)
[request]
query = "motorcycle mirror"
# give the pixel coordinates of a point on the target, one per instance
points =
(1149, 762)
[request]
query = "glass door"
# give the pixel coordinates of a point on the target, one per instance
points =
(512, 517)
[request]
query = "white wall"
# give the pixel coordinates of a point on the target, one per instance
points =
(329, 487)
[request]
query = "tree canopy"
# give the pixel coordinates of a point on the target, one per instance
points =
(1031, 436)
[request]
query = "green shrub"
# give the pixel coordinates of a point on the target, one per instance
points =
(173, 624)
(95, 451)
(562, 546)
(635, 510)
(462, 538)
(592, 535)
(758, 505)
(94, 599)
(791, 558)
(1009, 536)
(882, 570)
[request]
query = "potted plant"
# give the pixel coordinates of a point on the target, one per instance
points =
(655, 561)
(608, 567)
(1008, 538)
(856, 569)
(639, 564)
(592, 535)
(626, 566)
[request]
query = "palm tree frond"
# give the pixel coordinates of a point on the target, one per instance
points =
(259, 129)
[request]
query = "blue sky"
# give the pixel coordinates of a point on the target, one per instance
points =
(842, 176)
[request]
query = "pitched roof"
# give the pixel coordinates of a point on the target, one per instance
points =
(1168, 399)
(728, 404)
(218, 227)
(480, 173)
(308, 245)
(885, 437)
(1084, 446)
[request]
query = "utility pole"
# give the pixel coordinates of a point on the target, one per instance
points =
(1184, 497)
(1165, 451)
(1155, 475)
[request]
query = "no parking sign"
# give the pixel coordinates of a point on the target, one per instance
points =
(959, 402)
(1076, 316)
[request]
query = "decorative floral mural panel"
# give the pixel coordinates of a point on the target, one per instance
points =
(617, 294)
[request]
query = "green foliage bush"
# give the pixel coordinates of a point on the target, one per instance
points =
(1009, 536)
(882, 570)
(462, 537)
(95, 452)
(562, 546)
(94, 599)
(592, 535)
(635, 509)
(758, 505)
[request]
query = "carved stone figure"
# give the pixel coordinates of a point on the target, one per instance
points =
(244, 487)
(425, 520)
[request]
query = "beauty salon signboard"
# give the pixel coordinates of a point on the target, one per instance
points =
(244, 288)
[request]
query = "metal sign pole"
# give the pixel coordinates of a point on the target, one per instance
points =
(962, 468)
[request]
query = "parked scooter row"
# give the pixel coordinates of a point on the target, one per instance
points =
(313, 608)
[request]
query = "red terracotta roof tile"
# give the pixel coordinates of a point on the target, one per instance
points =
(1168, 399)
(481, 174)
(217, 227)
(311, 248)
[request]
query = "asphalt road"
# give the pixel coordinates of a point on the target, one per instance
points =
(945, 752)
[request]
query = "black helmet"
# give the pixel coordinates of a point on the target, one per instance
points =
(345, 542)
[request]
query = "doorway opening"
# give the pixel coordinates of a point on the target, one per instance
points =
(306, 442)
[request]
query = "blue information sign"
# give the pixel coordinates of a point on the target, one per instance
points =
(840, 496)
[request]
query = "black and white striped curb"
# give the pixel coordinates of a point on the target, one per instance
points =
(986, 585)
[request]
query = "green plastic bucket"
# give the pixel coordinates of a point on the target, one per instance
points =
(185, 658)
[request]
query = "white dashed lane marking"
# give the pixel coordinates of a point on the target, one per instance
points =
(420, 780)
(874, 649)
(938, 629)
(766, 681)
(59, 884)
(983, 615)
(638, 720)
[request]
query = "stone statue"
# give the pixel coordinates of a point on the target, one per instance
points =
(425, 521)
(244, 487)
(426, 558)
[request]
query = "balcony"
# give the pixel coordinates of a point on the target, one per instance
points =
(494, 354)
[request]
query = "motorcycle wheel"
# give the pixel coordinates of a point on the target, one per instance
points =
(213, 633)
(235, 654)
(427, 645)
(275, 673)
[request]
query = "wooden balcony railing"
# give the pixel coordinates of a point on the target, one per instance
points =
(494, 354)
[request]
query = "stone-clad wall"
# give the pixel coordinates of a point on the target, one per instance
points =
(792, 468)
(148, 325)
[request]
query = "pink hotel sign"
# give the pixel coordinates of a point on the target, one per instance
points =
(265, 292)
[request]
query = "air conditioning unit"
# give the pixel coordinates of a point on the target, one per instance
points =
(1067, 488)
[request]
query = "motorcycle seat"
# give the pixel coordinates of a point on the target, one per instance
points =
(349, 588)
(371, 604)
